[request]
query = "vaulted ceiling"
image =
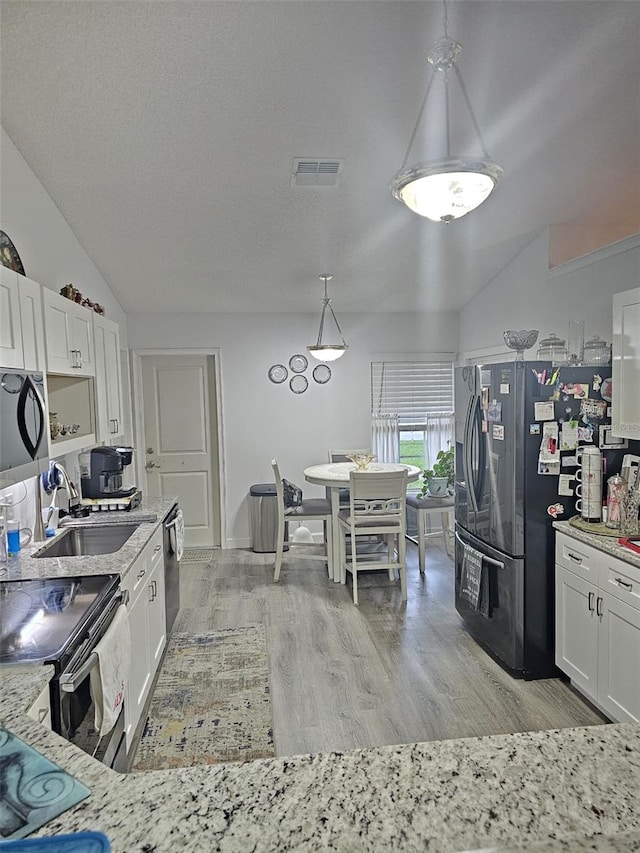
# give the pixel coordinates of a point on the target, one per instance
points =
(166, 133)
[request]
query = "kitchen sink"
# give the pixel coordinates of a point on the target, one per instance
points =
(88, 541)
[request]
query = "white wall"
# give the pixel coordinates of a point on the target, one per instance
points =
(527, 295)
(48, 248)
(262, 420)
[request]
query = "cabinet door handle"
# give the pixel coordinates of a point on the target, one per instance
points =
(42, 713)
(141, 573)
(157, 548)
(573, 557)
(592, 595)
(624, 584)
(599, 605)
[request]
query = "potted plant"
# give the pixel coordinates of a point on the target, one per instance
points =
(437, 480)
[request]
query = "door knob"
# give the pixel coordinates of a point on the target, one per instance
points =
(150, 465)
(149, 449)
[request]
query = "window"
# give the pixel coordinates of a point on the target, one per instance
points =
(420, 393)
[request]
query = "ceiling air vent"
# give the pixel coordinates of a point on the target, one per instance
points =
(315, 173)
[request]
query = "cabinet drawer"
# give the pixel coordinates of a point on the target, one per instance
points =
(578, 557)
(139, 573)
(154, 549)
(621, 580)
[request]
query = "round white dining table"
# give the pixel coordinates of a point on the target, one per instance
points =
(335, 476)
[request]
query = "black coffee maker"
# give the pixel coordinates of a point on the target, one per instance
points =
(101, 472)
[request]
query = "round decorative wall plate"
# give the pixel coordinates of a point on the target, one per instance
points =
(278, 373)
(299, 384)
(9, 256)
(322, 373)
(298, 363)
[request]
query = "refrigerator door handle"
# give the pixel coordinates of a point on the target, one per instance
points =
(484, 556)
(478, 484)
(467, 465)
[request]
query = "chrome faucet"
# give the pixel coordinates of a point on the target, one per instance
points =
(56, 477)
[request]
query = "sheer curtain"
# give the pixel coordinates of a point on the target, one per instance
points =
(385, 438)
(438, 434)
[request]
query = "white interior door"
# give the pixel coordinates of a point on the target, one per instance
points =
(181, 448)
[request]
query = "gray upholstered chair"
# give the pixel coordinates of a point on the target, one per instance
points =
(424, 507)
(312, 509)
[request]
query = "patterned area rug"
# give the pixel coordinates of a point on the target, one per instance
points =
(211, 703)
(197, 555)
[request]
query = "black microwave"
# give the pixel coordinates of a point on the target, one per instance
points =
(24, 425)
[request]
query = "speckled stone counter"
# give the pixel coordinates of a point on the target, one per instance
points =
(558, 786)
(572, 790)
(150, 513)
(608, 544)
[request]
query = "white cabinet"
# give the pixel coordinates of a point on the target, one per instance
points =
(10, 328)
(598, 626)
(30, 295)
(40, 711)
(147, 623)
(109, 420)
(69, 335)
(625, 399)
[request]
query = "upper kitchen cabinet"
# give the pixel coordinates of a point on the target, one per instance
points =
(109, 420)
(10, 330)
(626, 364)
(69, 335)
(30, 294)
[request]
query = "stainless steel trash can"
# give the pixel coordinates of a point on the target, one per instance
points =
(263, 516)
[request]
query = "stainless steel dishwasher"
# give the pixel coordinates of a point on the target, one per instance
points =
(172, 536)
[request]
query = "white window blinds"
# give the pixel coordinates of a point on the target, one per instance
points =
(411, 389)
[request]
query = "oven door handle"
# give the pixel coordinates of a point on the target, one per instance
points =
(70, 681)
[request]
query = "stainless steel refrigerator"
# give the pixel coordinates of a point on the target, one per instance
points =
(504, 555)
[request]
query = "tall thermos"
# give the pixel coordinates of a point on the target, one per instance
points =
(589, 488)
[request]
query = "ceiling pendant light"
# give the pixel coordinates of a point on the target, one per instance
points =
(449, 187)
(320, 350)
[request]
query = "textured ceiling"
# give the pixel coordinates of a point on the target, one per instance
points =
(165, 132)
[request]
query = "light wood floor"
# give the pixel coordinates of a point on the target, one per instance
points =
(345, 677)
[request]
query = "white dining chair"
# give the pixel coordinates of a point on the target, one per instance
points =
(312, 509)
(377, 507)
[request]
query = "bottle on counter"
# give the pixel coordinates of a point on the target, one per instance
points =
(3, 536)
(13, 529)
(616, 490)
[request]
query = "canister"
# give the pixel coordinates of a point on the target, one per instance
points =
(597, 352)
(616, 490)
(589, 488)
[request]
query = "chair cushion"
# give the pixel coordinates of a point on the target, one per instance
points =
(370, 521)
(310, 506)
(428, 502)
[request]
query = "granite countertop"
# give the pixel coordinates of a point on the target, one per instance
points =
(608, 544)
(574, 789)
(148, 515)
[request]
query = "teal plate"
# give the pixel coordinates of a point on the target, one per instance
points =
(33, 790)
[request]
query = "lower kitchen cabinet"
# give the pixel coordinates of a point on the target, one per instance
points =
(147, 624)
(598, 626)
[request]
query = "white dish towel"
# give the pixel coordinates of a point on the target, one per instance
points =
(109, 677)
(176, 533)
